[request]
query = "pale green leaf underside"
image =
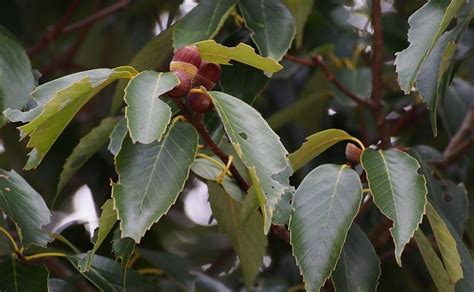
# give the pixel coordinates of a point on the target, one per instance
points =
(358, 268)
(446, 243)
(317, 144)
(398, 191)
(272, 25)
(117, 136)
(248, 239)
(324, 206)
(426, 26)
(217, 53)
(151, 176)
(203, 22)
(147, 115)
(257, 146)
(16, 196)
(65, 97)
(85, 149)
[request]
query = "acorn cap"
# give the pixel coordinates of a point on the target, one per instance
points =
(182, 89)
(199, 101)
(353, 153)
(188, 54)
(207, 75)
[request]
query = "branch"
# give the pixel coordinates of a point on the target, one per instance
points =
(61, 28)
(462, 141)
(54, 32)
(377, 68)
(317, 61)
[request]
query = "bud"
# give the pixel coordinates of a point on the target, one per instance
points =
(199, 101)
(186, 60)
(182, 89)
(207, 75)
(353, 153)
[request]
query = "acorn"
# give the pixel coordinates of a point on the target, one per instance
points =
(199, 101)
(353, 153)
(185, 64)
(207, 75)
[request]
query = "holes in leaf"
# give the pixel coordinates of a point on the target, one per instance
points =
(243, 135)
(447, 197)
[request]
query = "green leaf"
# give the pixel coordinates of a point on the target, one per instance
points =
(147, 115)
(248, 239)
(117, 136)
(210, 171)
(433, 263)
(151, 176)
(16, 75)
(446, 244)
(316, 144)
(426, 26)
(324, 206)
(272, 25)
(398, 191)
(300, 9)
(59, 285)
(85, 149)
(63, 98)
(103, 274)
(217, 53)
(357, 81)
(25, 207)
(123, 249)
(203, 22)
(248, 131)
(19, 276)
(147, 58)
(358, 268)
(107, 220)
(455, 104)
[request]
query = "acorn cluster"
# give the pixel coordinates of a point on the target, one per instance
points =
(192, 74)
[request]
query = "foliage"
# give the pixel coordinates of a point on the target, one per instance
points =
(258, 193)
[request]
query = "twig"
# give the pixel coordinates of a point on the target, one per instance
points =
(54, 32)
(96, 16)
(461, 142)
(377, 81)
(62, 28)
(202, 130)
(317, 61)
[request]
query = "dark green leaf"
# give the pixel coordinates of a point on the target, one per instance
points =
(324, 206)
(103, 274)
(248, 131)
(358, 268)
(426, 26)
(300, 10)
(147, 115)
(59, 285)
(151, 177)
(272, 25)
(25, 207)
(20, 276)
(117, 136)
(16, 76)
(357, 81)
(398, 190)
(248, 239)
(203, 22)
(85, 149)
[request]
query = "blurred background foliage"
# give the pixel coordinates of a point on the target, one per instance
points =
(297, 102)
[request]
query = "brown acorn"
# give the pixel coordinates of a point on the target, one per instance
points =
(182, 89)
(207, 75)
(185, 64)
(353, 153)
(199, 101)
